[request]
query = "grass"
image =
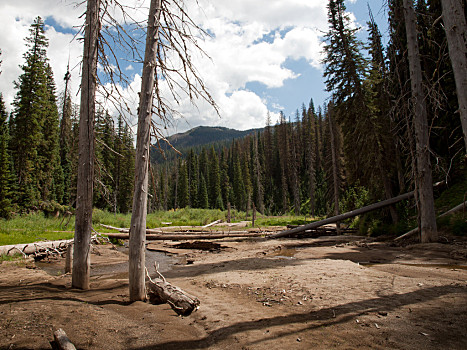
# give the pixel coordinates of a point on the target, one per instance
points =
(37, 227)
(32, 228)
(14, 257)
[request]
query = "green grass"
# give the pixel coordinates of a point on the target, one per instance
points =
(14, 257)
(32, 228)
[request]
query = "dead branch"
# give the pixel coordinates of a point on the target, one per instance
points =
(159, 291)
(62, 340)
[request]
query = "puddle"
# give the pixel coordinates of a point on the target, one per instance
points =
(121, 269)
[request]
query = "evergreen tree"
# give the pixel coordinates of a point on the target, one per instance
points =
(214, 181)
(183, 185)
(203, 200)
(66, 141)
(5, 176)
(35, 139)
(126, 174)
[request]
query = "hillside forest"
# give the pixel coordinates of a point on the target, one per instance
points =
(356, 149)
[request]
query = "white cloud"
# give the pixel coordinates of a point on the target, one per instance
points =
(251, 42)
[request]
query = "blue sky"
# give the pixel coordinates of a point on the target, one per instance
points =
(264, 54)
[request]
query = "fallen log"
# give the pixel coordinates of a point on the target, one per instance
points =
(184, 236)
(35, 248)
(116, 228)
(159, 229)
(450, 211)
(159, 291)
(212, 223)
(62, 341)
(344, 216)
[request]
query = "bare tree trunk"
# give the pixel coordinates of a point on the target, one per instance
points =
(140, 197)
(456, 34)
(334, 168)
(423, 176)
(83, 226)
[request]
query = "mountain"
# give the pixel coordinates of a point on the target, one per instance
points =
(197, 138)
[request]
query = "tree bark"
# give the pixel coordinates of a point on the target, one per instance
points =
(140, 197)
(62, 341)
(456, 34)
(81, 255)
(423, 180)
(334, 167)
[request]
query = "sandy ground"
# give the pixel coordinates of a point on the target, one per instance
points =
(255, 294)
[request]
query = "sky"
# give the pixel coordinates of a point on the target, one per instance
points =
(264, 55)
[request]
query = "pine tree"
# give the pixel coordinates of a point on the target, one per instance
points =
(126, 174)
(66, 141)
(203, 200)
(183, 185)
(214, 181)
(34, 141)
(5, 176)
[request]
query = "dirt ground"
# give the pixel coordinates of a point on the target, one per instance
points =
(255, 294)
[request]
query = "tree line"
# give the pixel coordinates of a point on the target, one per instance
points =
(39, 144)
(359, 147)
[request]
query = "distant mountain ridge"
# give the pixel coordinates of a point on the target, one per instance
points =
(202, 135)
(198, 137)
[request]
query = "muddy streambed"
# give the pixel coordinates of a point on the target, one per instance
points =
(118, 269)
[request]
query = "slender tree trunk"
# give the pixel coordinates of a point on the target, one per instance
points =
(334, 168)
(423, 175)
(456, 34)
(83, 226)
(140, 197)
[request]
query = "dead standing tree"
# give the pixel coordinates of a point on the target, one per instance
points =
(456, 34)
(423, 178)
(83, 226)
(170, 37)
(140, 197)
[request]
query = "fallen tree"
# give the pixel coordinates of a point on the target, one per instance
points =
(180, 236)
(37, 248)
(459, 207)
(159, 291)
(343, 216)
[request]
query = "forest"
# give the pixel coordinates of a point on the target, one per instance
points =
(356, 149)
(297, 267)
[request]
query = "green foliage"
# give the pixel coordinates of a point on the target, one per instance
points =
(455, 224)
(34, 136)
(5, 174)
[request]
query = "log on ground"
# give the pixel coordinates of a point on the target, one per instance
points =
(183, 236)
(159, 291)
(62, 341)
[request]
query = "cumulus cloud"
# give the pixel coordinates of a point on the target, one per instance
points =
(251, 41)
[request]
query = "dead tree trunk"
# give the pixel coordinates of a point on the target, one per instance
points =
(140, 197)
(344, 216)
(335, 175)
(456, 34)
(81, 255)
(424, 181)
(160, 292)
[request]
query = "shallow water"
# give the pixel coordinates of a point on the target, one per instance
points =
(165, 263)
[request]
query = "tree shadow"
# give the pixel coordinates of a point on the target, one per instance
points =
(230, 265)
(320, 318)
(50, 291)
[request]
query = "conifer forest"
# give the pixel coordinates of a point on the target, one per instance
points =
(337, 222)
(358, 148)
